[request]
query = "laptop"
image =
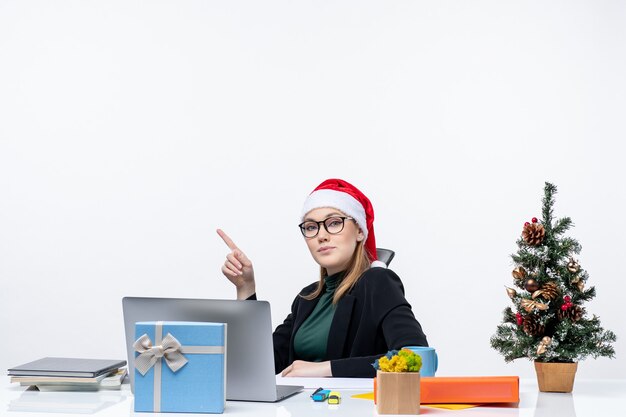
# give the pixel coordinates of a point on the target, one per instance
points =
(250, 350)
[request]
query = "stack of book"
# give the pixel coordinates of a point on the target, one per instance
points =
(70, 374)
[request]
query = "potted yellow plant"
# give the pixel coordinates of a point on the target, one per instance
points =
(397, 382)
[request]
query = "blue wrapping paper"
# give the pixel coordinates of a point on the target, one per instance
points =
(197, 387)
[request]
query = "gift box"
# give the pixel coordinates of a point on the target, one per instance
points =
(180, 367)
(470, 389)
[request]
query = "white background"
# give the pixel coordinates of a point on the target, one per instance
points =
(130, 131)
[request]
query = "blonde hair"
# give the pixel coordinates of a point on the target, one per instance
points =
(359, 263)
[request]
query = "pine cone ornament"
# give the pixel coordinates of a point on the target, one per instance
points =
(573, 313)
(533, 233)
(532, 326)
(573, 266)
(548, 291)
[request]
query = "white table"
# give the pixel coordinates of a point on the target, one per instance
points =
(591, 398)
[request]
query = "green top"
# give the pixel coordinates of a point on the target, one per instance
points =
(312, 337)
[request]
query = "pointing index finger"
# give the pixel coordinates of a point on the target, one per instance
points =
(229, 242)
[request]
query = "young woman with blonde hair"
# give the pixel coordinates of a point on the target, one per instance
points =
(356, 311)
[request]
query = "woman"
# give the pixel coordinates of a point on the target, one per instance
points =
(356, 312)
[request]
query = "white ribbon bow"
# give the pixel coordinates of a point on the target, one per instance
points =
(170, 349)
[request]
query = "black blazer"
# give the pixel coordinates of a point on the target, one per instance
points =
(373, 318)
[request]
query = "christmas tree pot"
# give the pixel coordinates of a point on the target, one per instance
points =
(555, 377)
(397, 392)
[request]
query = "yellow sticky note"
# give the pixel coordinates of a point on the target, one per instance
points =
(370, 396)
(365, 396)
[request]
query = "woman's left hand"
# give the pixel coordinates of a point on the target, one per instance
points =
(310, 369)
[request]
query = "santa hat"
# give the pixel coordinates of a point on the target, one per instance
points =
(346, 197)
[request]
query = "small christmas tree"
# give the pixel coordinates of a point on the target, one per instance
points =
(549, 323)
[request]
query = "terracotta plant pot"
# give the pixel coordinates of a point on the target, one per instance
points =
(556, 377)
(397, 392)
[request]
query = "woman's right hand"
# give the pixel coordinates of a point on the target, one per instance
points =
(238, 268)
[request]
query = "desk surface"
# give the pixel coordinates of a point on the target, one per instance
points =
(591, 398)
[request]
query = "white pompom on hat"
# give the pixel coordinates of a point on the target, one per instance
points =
(342, 195)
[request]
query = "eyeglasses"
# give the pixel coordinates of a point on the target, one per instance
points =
(333, 225)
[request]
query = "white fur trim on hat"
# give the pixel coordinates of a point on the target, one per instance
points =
(339, 200)
(379, 264)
